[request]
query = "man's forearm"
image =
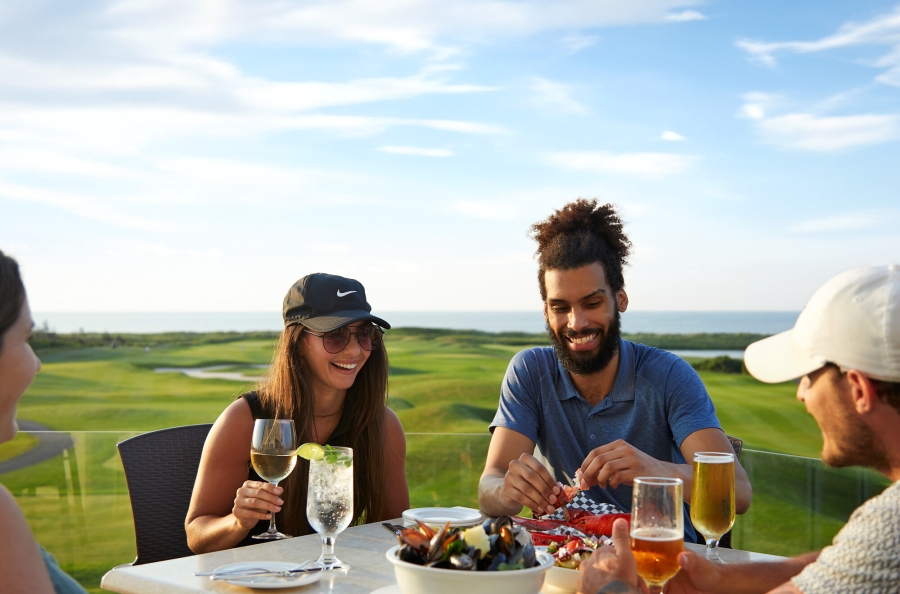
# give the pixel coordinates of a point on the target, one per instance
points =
(489, 497)
(758, 578)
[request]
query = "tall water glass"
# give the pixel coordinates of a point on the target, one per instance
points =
(712, 498)
(657, 528)
(273, 454)
(329, 500)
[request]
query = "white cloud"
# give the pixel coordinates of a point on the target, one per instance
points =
(672, 136)
(553, 95)
(842, 222)
(753, 111)
(575, 43)
(495, 211)
(407, 25)
(637, 164)
(809, 132)
(81, 205)
(685, 16)
(881, 30)
(415, 150)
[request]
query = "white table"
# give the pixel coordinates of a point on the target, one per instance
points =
(363, 547)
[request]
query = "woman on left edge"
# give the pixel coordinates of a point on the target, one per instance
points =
(25, 566)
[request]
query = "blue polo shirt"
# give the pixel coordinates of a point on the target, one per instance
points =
(656, 401)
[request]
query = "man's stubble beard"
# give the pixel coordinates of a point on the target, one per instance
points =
(852, 442)
(586, 363)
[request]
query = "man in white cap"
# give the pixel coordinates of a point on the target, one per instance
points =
(845, 348)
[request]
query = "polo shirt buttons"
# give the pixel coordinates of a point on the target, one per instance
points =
(593, 436)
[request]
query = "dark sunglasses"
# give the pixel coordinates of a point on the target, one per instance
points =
(368, 337)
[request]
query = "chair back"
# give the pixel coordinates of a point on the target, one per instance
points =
(160, 469)
(737, 445)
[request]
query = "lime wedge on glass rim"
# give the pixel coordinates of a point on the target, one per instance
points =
(311, 451)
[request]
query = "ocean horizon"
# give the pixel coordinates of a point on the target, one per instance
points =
(654, 322)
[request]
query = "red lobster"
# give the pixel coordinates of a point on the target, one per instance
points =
(583, 521)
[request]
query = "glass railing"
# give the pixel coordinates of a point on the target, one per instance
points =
(72, 489)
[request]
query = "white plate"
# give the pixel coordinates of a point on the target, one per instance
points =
(457, 516)
(270, 582)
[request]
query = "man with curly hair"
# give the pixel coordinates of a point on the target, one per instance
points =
(602, 408)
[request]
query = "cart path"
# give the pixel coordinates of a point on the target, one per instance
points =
(51, 444)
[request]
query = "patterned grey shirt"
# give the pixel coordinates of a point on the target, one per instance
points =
(865, 554)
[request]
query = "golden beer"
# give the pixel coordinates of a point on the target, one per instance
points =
(712, 494)
(656, 552)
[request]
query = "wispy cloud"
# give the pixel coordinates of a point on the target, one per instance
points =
(495, 211)
(636, 164)
(81, 205)
(813, 130)
(685, 16)
(575, 43)
(556, 96)
(881, 30)
(841, 222)
(671, 136)
(417, 151)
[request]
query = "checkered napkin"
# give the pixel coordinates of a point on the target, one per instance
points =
(581, 501)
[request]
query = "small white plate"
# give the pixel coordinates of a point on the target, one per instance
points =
(270, 582)
(457, 516)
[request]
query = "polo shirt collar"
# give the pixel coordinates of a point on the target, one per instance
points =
(623, 387)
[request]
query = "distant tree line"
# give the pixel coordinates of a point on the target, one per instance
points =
(43, 339)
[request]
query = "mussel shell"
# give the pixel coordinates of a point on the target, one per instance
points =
(410, 555)
(528, 555)
(487, 524)
(495, 564)
(462, 561)
(500, 523)
(506, 541)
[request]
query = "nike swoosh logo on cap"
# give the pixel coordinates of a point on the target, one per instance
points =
(339, 294)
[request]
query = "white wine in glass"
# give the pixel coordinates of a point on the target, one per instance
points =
(273, 454)
(712, 498)
(657, 528)
(329, 500)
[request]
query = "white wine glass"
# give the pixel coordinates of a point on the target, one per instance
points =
(712, 498)
(657, 528)
(273, 454)
(329, 500)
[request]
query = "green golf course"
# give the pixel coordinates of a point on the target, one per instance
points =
(444, 386)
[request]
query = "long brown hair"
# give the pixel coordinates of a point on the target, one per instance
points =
(287, 394)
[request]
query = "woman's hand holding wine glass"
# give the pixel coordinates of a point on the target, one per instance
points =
(254, 501)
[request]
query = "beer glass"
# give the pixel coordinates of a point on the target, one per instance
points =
(712, 498)
(657, 528)
(273, 454)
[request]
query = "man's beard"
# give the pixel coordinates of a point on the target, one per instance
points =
(854, 444)
(587, 362)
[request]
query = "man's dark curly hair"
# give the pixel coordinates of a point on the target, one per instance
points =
(578, 234)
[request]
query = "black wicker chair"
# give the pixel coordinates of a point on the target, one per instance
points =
(160, 468)
(737, 445)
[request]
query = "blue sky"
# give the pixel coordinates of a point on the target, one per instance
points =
(187, 156)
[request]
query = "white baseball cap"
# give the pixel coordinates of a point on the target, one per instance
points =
(853, 321)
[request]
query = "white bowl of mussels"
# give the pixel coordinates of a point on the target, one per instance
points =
(452, 560)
